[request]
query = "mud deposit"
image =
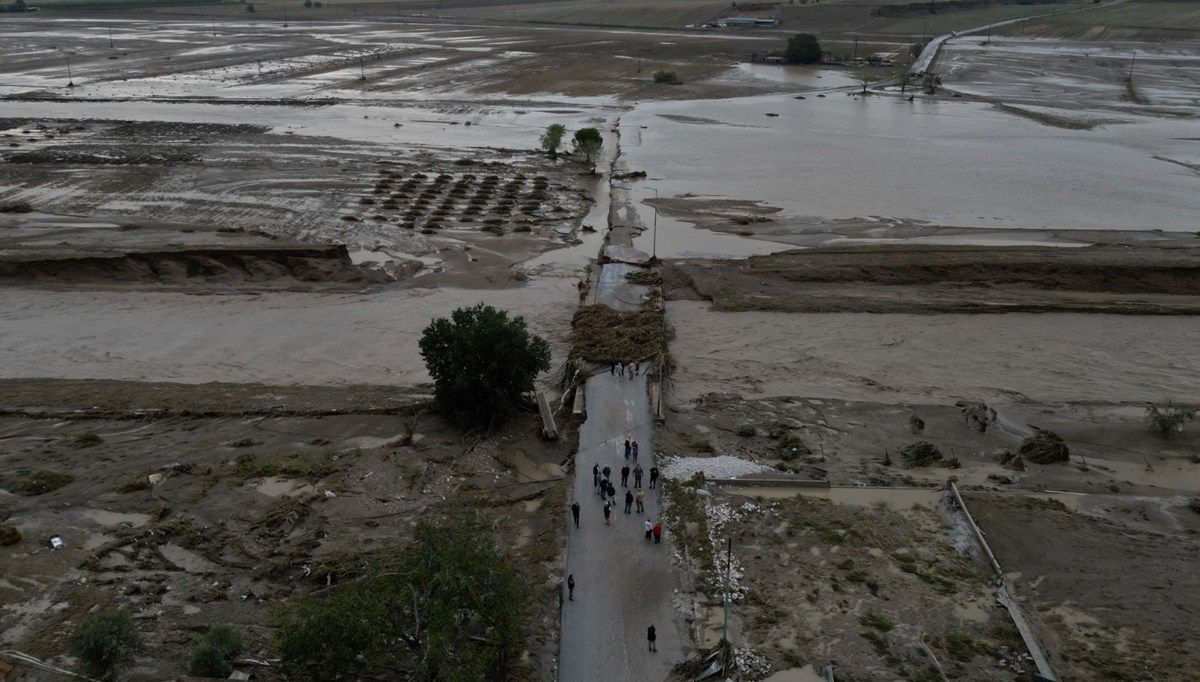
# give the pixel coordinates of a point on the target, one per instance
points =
(949, 280)
(1112, 600)
(250, 511)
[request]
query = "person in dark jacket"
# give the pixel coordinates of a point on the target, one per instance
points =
(575, 513)
(652, 637)
(628, 501)
(653, 476)
(625, 476)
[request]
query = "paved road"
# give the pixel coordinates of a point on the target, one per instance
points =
(622, 584)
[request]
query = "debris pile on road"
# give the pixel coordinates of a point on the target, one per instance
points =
(724, 466)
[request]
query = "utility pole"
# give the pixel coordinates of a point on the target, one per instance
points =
(728, 571)
(70, 78)
(1131, 61)
(285, 18)
(855, 48)
(362, 69)
(654, 233)
(110, 42)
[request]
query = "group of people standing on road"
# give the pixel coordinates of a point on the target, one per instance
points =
(603, 485)
(623, 369)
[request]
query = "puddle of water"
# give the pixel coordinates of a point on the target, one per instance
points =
(109, 518)
(805, 674)
(277, 487)
(898, 498)
(805, 76)
(973, 611)
(527, 470)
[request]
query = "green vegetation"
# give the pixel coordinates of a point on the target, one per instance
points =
(876, 621)
(482, 362)
(213, 653)
(293, 464)
(85, 440)
(42, 481)
(588, 142)
(803, 48)
(448, 607)
(630, 13)
(746, 430)
(668, 77)
(1168, 419)
(552, 139)
(9, 535)
(1131, 21)
(105, 642)
(931, 25)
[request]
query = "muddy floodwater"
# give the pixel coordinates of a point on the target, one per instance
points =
(942, 162)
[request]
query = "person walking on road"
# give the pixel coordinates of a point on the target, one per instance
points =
(634, 448)
(607, 472)
(575, 513)
(628, 501)
(637, 475)
(603, 490)
(653, 476)
(658, 532)
(652, 637)
(630, 368)
(641, 497)
(612, 491)
(628, 446)
(571, 587)
(637, 367)
(595, 476)
(625, 476)
(607, 512)
(621, 369)
(649, 529)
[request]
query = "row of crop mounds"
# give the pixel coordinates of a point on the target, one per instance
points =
(465, 201)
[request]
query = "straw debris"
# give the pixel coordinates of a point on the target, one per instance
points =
(601, 334)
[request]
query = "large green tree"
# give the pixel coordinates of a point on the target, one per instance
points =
(482, 362)
(588, 142)
(105, 641)
(449, 607)
(803, 48)
(552, 138)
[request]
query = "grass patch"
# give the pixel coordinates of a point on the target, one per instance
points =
(877, 622)
(86, 439)
(42, 481)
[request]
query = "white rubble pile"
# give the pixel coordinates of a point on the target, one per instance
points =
(751, 664)
(718, 517)
(724, 466)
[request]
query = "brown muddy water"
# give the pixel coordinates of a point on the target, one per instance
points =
(942, 162)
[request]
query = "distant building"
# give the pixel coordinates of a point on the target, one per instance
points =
(732, 22)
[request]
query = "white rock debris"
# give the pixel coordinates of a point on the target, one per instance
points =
(724, 466)
(751, 664)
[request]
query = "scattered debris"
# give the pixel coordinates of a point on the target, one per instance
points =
(1044, 447)
(977, 413)
(56, 542)
(919, 454)
(723, 466)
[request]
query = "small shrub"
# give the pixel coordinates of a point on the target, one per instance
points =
(876, 621)
(9, 535)
(42, 481)
(1194, 504)
(1044, 447)
(668, 77)
(1168, 420)
(242, 442)
(105, 642)
(213, 653)
(86, 439)
(919, 454)
(746, 431)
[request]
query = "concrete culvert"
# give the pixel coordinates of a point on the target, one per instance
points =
(1044, 447)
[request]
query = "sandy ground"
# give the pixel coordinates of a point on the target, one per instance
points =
(918, 358)
(368, 338)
